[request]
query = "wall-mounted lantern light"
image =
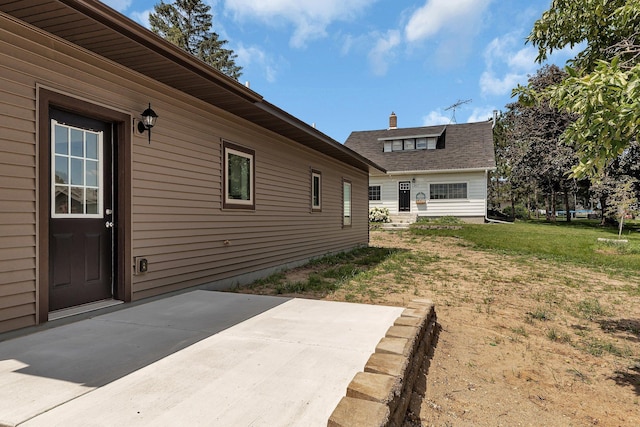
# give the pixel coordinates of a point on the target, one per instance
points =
(149, 118)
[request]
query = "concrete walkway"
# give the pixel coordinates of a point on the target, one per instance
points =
(199, 359)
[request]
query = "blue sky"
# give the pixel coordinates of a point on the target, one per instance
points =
(345, 65)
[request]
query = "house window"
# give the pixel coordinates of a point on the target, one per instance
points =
(397, 145)
(316, 191)
(346, 203)
(239, 177)
(409, 144)
(374, 192)
(388, 147)
(432, 143)
(421, 143)
(448, 191)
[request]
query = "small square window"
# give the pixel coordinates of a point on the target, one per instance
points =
(316, 191)
(397, 145)
(239, 177)
(374, 192)
(410, 144)
(421, 143)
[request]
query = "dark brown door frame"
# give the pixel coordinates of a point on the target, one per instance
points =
(122, 186)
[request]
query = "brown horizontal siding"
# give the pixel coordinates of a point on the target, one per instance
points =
(177, 220)
(17, 196)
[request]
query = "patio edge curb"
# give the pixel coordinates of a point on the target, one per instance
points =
(379, 396)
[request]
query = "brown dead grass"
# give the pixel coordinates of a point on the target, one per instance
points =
(522, 341)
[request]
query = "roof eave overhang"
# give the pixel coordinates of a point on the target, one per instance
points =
(439, 171)
(226, 93)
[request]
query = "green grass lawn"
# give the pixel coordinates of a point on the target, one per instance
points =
(575, 242)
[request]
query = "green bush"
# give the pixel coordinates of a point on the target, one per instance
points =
(521, 212)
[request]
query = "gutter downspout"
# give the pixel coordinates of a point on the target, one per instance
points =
(486, 211)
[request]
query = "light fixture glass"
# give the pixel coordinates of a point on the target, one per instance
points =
(148, 121)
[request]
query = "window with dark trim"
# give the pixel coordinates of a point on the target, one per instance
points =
(346, 203)
(448, 191)
(316, 190)
(238, 177)
(374, 192)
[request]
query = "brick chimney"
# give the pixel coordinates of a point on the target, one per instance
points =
(393, 121)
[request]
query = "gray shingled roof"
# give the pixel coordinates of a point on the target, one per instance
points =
(466, 146)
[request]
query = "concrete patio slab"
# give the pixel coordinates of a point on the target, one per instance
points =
(199, 358)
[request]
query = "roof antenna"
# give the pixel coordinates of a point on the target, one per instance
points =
(454, 106)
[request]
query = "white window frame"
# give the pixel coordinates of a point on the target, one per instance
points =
(316, 207)
(388, 147)
(466, 184)
(247, 153)
(347, 205)
(379, 191)
(100, 201)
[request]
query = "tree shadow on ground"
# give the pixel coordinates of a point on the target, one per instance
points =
(629, 377)
(627, 329)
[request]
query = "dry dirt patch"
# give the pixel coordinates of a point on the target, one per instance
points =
(523, 341)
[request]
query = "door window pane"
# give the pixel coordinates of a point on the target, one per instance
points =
(77, 143)
(92, 145)
(77, 200)
(91, 174)
(62, 170)
(77, 172)
(62, 140)
(92, 200)
(61, 201)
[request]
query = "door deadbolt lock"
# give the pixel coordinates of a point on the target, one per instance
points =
(108, 224)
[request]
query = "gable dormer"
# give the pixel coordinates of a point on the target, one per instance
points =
(430, 141)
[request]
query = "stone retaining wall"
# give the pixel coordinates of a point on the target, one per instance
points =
(380, 395)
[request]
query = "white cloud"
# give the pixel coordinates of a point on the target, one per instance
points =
(481, 114)
(249, 56)
(119, 5)
(383, 52)
(453, 16)
(310, 18)
(142, 17)
(507, 65)
(490, 84)
(435, 118)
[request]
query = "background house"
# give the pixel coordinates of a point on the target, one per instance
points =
(432, 171)
(227, 188)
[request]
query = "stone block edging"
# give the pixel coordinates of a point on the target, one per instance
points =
(379, 396)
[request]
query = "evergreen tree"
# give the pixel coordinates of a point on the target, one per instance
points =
(187, 24)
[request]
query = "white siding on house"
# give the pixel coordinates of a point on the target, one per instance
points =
(473, 206)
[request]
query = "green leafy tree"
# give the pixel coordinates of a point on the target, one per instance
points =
(534, 151)
(187, 24)
(603, 86)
